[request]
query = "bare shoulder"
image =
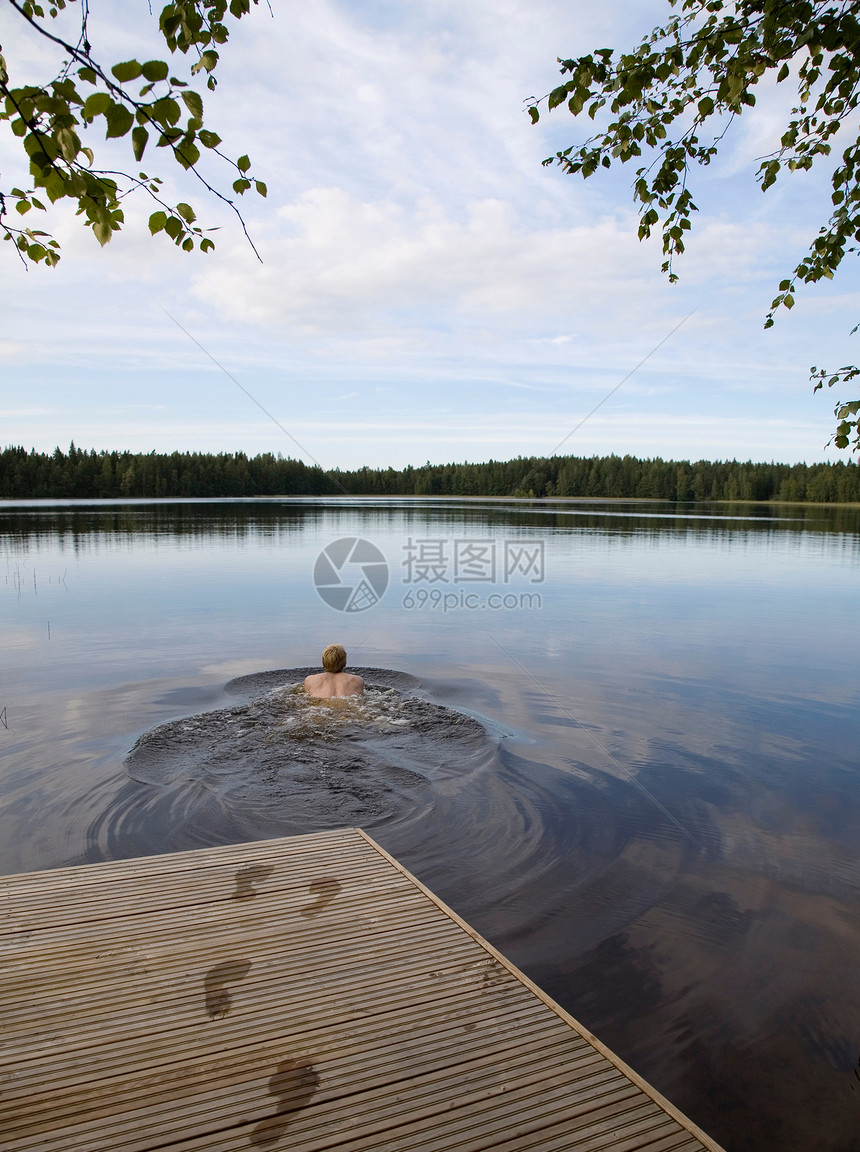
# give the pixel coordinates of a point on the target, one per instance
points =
(314, 681)
(355, 684)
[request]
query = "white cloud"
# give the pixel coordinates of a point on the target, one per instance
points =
(349, 265)
(428, 288)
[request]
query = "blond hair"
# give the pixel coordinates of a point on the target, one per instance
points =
(334, 658)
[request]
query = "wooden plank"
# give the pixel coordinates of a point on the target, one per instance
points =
(32, 906)
(304, 993)
(98, 1049)
(218, 1082)
(171, 864)
(408, 1103)
(63, 951)
(173, 990)
(633, 1076)
(307, 890)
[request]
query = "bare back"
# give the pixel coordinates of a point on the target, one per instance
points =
(325, 685)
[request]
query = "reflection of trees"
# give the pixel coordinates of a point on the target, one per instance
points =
(80, 527)
(86, 475)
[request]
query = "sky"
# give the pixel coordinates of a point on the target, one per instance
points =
(428, 291)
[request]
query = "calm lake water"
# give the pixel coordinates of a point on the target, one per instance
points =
(658, 818)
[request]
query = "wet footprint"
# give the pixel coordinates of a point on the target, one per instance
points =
(218, 999)
(246, 877)
(294, 1083)
(325, 891)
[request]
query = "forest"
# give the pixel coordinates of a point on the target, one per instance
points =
(82, 474)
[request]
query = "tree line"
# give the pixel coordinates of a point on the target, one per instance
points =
(81, 474)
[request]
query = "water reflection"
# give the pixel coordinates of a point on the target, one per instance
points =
(652, 806)
(89, 525)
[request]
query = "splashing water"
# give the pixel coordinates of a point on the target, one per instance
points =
(283, 758)
(307, 718)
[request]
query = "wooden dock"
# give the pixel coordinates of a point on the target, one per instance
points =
(297, 994)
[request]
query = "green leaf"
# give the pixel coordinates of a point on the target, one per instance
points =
(173, 227)
(169, 136)
(706, 106)
(102, 232)
(55, 186)
(186, 212)
(208, 139)
(557, 96)
(534, 113)
(241, 186)
(88, 75)
(187, 153)
(155, 70)
(119, 121)
(69, 143)
(157, 221)
(243, 163)
(166, 111)
(207, 62)
(206, 244)
(261, 188)
(128, 70)
(139, 138)
(194, 103)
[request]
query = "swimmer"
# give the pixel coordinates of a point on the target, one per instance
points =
(334, 681)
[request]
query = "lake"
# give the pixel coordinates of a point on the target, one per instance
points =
(657, 815)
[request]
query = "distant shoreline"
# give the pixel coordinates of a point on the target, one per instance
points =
(81, 474)
(544, 501)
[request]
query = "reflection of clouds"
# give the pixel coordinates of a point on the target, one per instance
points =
(730, 959)
(20, 639)
(756, 974)
(232, 668)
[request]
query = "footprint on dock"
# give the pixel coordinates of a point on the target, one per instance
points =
(325, 891)
(218, 998)
(294, 1083)
(247, 877)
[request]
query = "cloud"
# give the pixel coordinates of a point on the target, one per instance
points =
(428, 289)
(346, 265)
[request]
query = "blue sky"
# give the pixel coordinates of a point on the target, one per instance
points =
(428, 290)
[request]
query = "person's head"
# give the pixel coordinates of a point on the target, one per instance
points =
(334, 658)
